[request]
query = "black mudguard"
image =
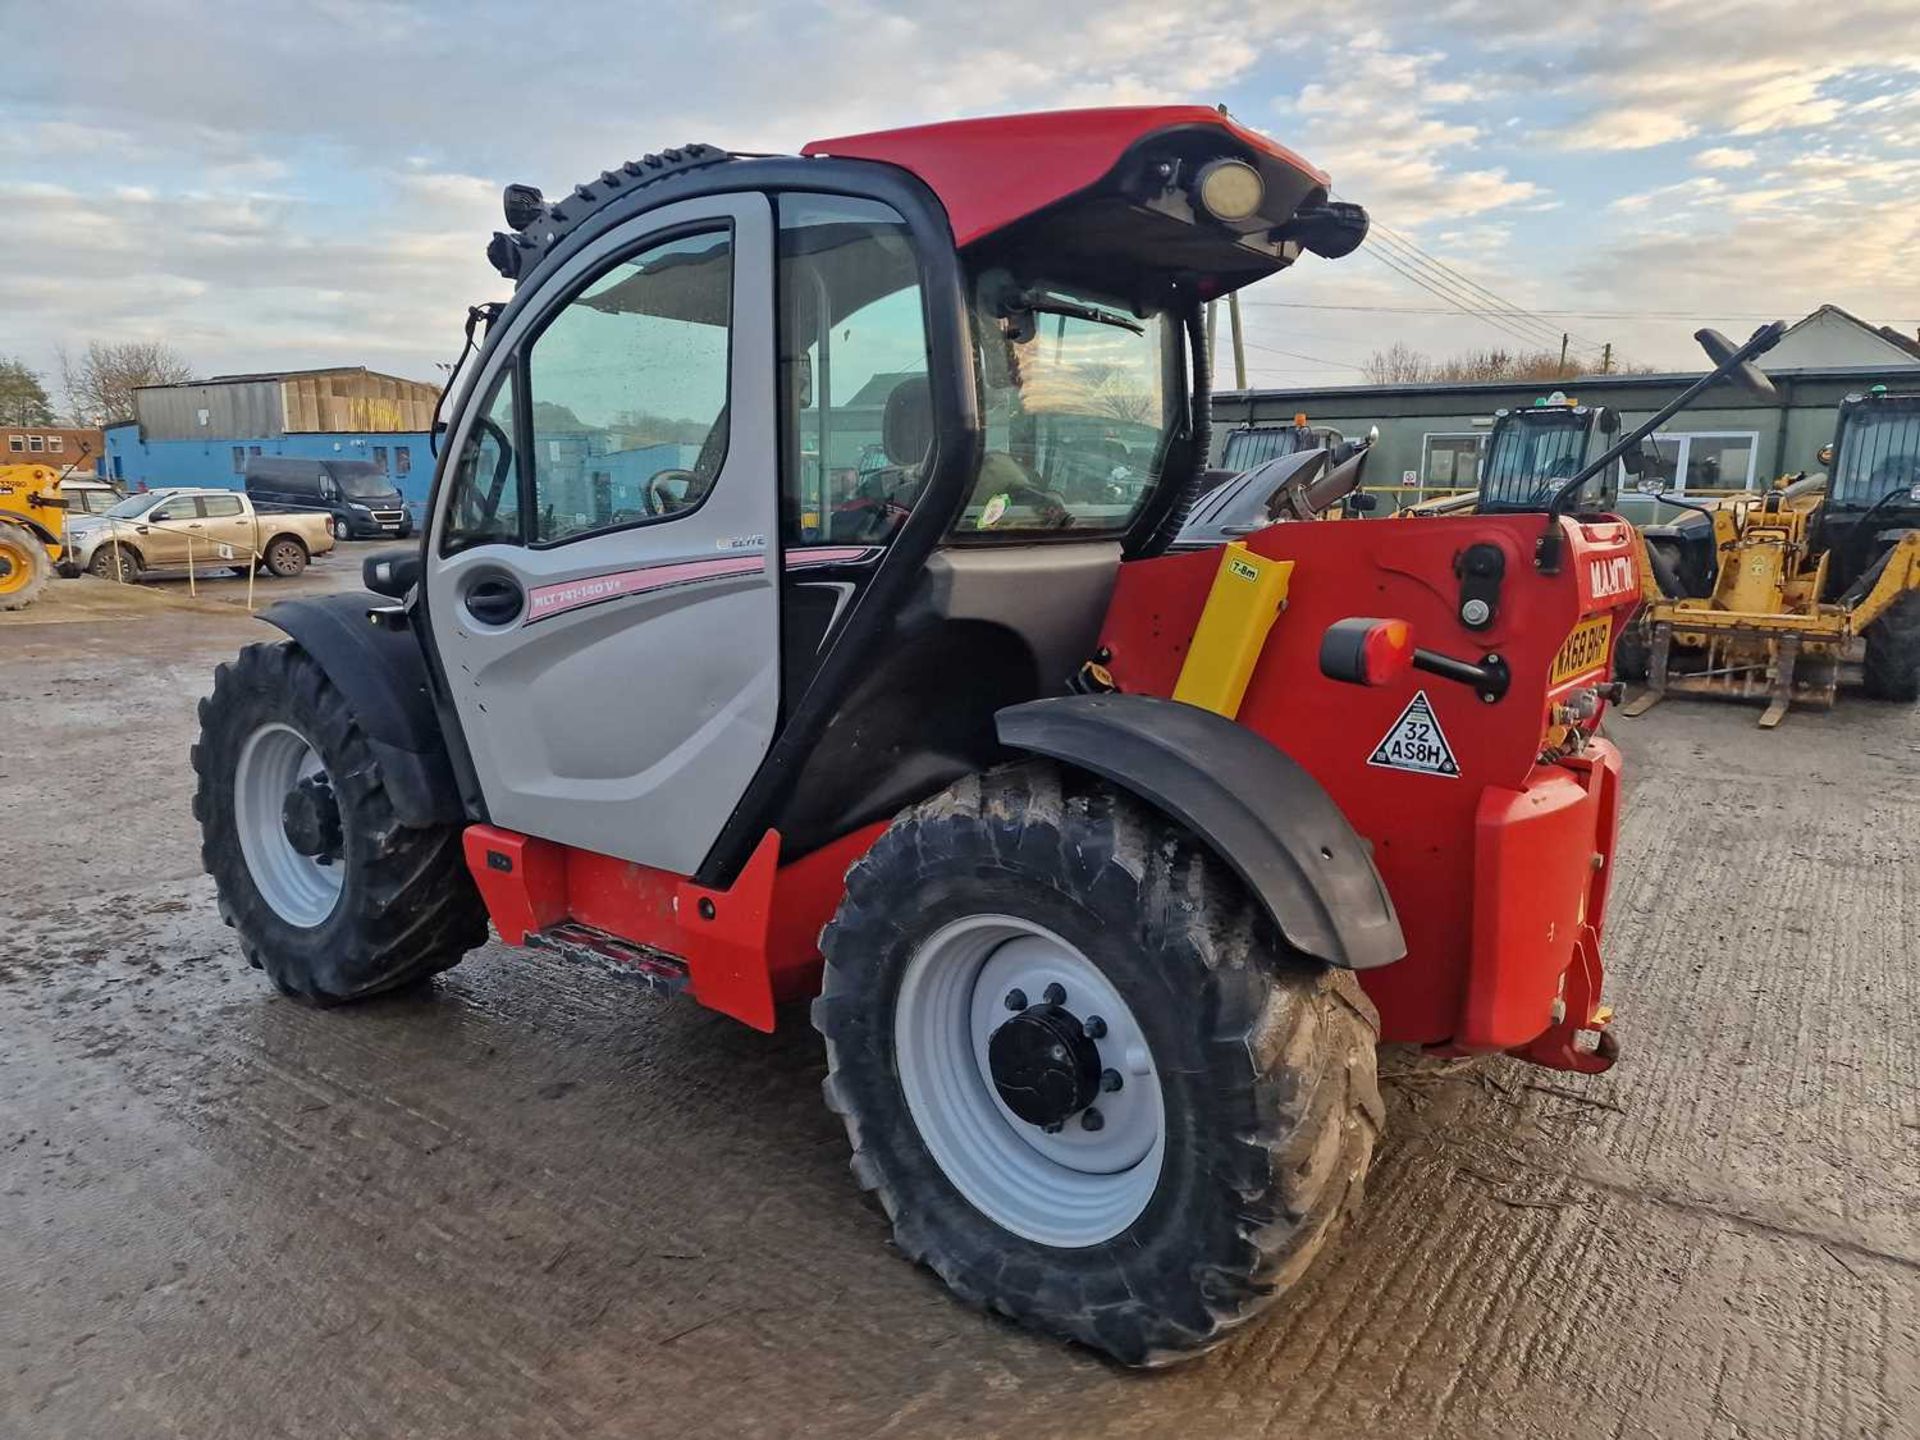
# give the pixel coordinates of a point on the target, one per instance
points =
(383, 675)
(1254, 805)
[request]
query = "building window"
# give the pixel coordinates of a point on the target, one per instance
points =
(253, 449)
(35, 444)
(1450, 461)
(55, 445)
(1708, 460)
(239, 459)
(402, 460)
(380, 456)
(16, 443)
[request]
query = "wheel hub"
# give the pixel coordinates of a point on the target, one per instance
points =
(310, 817)
(1044, 1064)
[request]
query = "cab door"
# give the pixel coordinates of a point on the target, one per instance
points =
(601, 585)
(166, 530)
(229, 531)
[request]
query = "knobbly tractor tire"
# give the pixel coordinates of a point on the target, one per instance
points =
(286, 557)
(1891, 668)
(1633, 651)
(1029, 948)
(24, 568)
(328, 892)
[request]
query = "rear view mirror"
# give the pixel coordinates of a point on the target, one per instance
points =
(1364, 504)
(1747, 375)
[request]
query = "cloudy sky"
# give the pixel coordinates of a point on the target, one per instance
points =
(271, 184)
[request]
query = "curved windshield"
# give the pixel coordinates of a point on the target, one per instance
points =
(1531, 455)
(136, 505)
(1879, 454)
(1076, 409)
(362, 484)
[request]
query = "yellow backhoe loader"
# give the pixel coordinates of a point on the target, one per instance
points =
(1773, 597)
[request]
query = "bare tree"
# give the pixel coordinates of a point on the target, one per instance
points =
(100, 385)
(1398, 364)
(23, 399)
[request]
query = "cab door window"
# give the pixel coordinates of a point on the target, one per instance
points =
(627, 392)
(856, 407)
(485, 503)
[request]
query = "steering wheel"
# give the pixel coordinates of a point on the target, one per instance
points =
(660, 501)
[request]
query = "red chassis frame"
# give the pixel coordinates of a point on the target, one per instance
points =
(1499, 874)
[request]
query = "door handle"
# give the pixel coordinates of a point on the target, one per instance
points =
(495, 601)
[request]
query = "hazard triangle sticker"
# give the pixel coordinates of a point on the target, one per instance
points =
(1416, 743)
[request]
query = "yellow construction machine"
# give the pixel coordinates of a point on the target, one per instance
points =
(32, 514)
(1773, 597)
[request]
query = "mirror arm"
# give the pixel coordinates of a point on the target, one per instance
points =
(1547, 553)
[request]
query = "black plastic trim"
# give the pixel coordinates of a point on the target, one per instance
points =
(1251, 803)
(383, 675)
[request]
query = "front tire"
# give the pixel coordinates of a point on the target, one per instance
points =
(1256, 1066)
(115, 562)
(1891, 668)
(328, 892)
(24, 568)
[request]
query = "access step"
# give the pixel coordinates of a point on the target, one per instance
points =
(656, 970)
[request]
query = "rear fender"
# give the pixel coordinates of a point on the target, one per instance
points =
(383, 675)
(1252, 804)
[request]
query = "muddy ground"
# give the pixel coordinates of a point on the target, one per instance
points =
(528, 1203)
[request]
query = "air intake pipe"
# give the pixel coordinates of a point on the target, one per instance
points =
(1200, 407)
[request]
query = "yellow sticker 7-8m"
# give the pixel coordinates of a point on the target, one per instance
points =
(1585, 649)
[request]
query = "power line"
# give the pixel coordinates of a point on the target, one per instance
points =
(1537, 332)
(1400, 269)
(1298, 355)
(1388, 232)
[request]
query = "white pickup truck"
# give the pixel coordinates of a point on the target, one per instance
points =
(205, 529)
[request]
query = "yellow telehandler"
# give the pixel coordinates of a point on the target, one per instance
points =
(32, 513)
(1773, 597)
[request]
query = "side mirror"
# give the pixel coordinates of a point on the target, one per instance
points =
(1747, 375)
(1825, 456)
(1373, 435)
(1363, 503)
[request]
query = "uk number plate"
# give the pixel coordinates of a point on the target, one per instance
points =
(1585, 649)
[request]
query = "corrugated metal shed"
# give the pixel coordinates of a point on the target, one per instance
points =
(353, 401)
(226, 409)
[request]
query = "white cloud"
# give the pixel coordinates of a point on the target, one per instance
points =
(1723, 157)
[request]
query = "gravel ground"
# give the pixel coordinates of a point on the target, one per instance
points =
(528, 1203)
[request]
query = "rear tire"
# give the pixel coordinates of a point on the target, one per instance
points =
(1891, 670)
(1263, 1063)
(286, 557)
(24, 568)
(1632, 652)
(399, 904)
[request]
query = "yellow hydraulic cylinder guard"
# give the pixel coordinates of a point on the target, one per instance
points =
(1248, 593)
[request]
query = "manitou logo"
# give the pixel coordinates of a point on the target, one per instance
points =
(1610, 577)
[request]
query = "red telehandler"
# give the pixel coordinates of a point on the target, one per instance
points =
(1105, 863)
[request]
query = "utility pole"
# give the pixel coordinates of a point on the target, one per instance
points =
(1563, 354)
(1239, 341)
(1606, 358)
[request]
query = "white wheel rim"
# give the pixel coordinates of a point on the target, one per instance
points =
(1070, 1189)
(298, 888)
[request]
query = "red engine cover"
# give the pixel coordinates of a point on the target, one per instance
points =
(1491, 862)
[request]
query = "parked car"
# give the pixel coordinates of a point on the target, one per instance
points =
(163, 529)
(86, 496)
(357, 493)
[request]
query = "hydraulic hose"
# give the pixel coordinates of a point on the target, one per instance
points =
(1200, 406)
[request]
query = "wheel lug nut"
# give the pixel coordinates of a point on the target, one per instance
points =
(1054, 994)
(1110, 1081)
(1094, 1026)
(1055, 1128)
(1091, 1119)
(1016, 999)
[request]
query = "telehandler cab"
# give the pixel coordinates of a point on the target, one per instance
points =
(1105, 865)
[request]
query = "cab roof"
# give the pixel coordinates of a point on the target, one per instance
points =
(993, 171)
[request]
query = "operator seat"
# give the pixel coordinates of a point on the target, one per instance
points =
(885, 495)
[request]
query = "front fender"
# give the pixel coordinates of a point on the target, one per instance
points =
(1252, 804)
(383, 675)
